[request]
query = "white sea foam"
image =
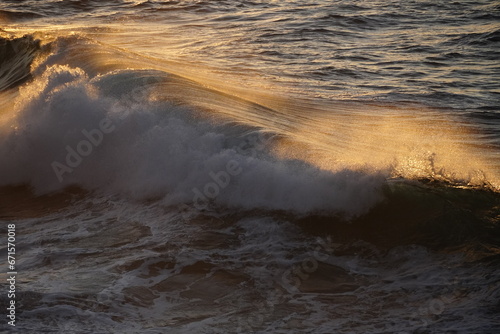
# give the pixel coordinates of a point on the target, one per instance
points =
(158, 149)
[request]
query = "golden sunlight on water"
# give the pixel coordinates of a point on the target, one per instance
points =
(413, 144)
(404, 141)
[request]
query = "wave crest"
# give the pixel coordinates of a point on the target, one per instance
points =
(67, 131)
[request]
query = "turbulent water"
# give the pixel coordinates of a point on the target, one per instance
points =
(251, 166)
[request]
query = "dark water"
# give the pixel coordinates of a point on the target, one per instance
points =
(251, 166)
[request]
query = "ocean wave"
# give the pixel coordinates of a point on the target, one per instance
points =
(10, 15)
(65, 132)
(117, 127)
(251, 166)
(16, 55)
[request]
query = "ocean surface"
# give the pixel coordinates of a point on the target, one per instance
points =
(250, 166)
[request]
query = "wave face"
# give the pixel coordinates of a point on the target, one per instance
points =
(16, 56)
(251, 166)
(154, 134)
(67, 132)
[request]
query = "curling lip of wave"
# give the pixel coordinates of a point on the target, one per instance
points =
(159, 149)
